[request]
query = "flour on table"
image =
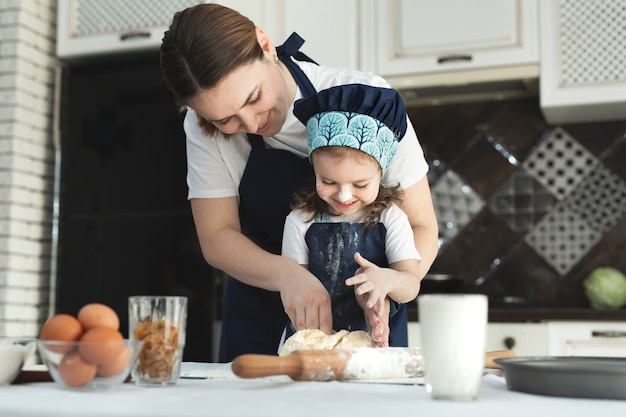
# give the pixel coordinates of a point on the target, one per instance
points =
(316, 339)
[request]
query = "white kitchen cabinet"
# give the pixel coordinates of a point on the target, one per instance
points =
(583, 73)
(525, 339)
(593, 338)
(87, 28)
(330, 28)
(448, 41)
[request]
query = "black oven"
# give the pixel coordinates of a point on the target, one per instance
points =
(125, 225)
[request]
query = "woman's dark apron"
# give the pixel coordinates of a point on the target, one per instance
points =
(253, 318)
(331, 259)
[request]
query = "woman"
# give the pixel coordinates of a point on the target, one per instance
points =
(246, 153)
(348, 223)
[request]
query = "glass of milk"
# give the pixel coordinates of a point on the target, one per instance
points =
(453, 330)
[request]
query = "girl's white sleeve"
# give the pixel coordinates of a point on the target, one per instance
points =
(294, 245)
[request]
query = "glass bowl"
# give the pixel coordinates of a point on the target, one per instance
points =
(14, 352)
(90, 366)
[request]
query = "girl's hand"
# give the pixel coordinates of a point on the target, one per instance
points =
(378, 324)
(370, 281)
(371, 289)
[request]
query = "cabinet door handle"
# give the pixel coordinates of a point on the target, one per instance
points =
(608, 333)
(453, 58)
(134, 35)
(509, 342)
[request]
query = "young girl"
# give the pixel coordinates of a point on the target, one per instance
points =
(347, 229)
(246, 154)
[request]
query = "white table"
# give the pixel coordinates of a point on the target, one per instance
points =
(223, 394)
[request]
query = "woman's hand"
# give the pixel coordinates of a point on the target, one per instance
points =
(304, 298)
(307, 302)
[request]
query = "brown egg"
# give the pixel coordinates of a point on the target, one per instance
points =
(117, 365)
(61, 327)
(98, 315)
(74, 371)
(101, 345)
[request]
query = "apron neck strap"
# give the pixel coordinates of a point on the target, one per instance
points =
(291, 49)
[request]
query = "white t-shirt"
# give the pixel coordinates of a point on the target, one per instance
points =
(215, 165)
(399, 244)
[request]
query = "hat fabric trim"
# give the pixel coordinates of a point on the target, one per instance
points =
(355, 130)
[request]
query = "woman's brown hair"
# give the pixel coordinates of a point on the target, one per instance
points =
(308, 200)
(204, 44)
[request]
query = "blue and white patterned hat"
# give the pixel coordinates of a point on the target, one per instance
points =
(371, 119)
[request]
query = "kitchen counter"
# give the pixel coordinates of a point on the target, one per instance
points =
(545, 314)
(223, 394)
(555, 314)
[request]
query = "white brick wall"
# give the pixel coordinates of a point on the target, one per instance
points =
(27, 77)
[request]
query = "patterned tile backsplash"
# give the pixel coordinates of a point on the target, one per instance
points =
(456, 204)
(526, 210)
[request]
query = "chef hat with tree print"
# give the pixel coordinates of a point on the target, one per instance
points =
(371, 119)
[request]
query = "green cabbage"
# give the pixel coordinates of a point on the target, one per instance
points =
(605, 288)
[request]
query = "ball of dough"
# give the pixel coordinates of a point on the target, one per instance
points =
(355, 339)
(310, 339)
(302, 339)
(316, 339)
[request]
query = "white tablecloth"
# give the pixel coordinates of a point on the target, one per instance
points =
(223, 394)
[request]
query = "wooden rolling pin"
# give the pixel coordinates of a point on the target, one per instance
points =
(343, 364)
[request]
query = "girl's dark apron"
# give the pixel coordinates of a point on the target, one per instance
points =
(331, 259)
